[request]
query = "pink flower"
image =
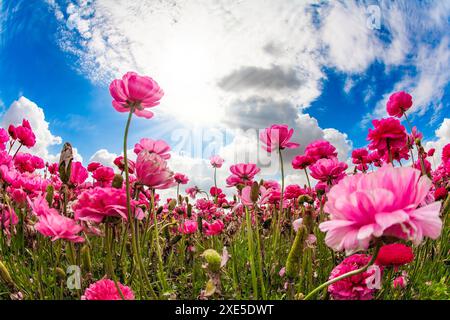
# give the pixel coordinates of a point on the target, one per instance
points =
(104, 176)
(59, 227)
(181, 178)
(39, 206)
(375, 159)
(159, 147)
(293, 191)
(363, 207)
(216, 161)
(192, 192)
(4, 138)
(446, 153)
(93, 166)
(78, 174)
(426, 164)
(7, 216)
(360, 156)
(277, 137)
(105, 289)
(136, 93)
(355, 287)
(263, 196)
(245, 172)
(212, 229)
(97, 203)
(395, 254)
(302, 162)
(120, 163)
(25, 134)
(398, 103)
(12, 132)
(152, 171)
(188, 227)
(328, 170)
(320, 149)
(431, 152)
(25, 162)
(400, 282)
(387, 133)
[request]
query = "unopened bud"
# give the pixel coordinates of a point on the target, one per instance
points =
(254, 194)
(172, 204)
(50, 190)
(65, 163)
(5, 277)
(117, 181)
(305, 198)
(189, 210)
(86, 257)
(294, 257)
(213, 259)
(60, 274)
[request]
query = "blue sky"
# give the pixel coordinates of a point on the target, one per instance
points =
(223, 65)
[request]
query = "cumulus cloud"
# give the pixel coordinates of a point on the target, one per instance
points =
(104, 157)
(24, 108)
(443, 138)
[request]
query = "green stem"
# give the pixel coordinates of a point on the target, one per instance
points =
(307, 178)
(282, 182)
(251, 253)
(346, 275)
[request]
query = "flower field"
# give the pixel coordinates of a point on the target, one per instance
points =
(375, 228)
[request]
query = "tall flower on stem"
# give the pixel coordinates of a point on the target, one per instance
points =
(302, 162)
(388, 134)
(134, 94)
(216, 162)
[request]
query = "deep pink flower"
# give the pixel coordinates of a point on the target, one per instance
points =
(4, 138)
(426, 164)
(355, 287)
(105, 289)
(135, 92)
(216, 161)
(59, 227)
(293, 191)
(383, 203)
(320, 149)
(395, 254)
(25, 134)
(181, 178)
(25, 162)
(328, 170)
(360, 156)
(387, 132)
(78, 174)
(277, 136)
(214, 228)
(188, 227)
(97, 203)
(415, 135)
(160, 147)
(431, 152)
(53, 168)
(440, 194)
(446, 153)
(7, 217)
(302, 162)
(120, 163)
(398, 103)
(263, 196)
(12, 132)
(103, 176)
(152, 171)
(244, 171)
(400, 282)
(192, 192)
(93, 166)
(375, 158)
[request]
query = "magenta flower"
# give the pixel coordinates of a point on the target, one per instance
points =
(7, 217)
(152, 171)
(398, 103)
(214, 228)
(216, 161)
(188, 227)
(355, 287)
(105, 289)
(302, 162)
(181, 178)
(25, 162)
(192, 192)
(388, 202)
(328, 170)
(320, 149)
(277, 137)
(97, 203)
(120, 163)
(24, 134)
(78, 174)
(245, 171)
(159, 147)
(446, 153)
(387, 134)
(263, 196)
(93, 166)
(4, 138)
(135, 92)
(103, 176)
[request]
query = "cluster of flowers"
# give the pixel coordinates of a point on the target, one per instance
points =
(374, 201)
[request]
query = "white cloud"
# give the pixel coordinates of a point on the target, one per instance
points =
(443, 138)
(26, 109)
(104, 157)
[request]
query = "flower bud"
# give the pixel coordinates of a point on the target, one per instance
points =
(213, 259)
(60, 274)
(305, 198)
(117, 181)
(5, 277)
(65, 163)
(86, 257)
(172, 204)
(254, 193)
(294, 257)
(49, 194)
(189, 210)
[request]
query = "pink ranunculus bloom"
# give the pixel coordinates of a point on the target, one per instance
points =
(53, 168)
(93, 166)
(431, 152)
(180, 178)
(188, 227)
(302, 162)
(360, 156)
(160, 147)
(277, 137)
(4, 138)
(397, 154)
(293, 191)
(320, 149)
(97, 203)
(7, 217)
(415, 135)
(375, 158)
(328, 170)
(120, 163)
(39, 206)
(78, 174)
(152, 171)
(401, 281)
(12, 132)
(263, 196)
(103, 176)
(244, 171)
(387, 132)
(106, 289)
(25, 134)
(216, 161)
(355, 287)
(136, 92)
(56, 226)
(192, 192)
(214, 228)
(387, 202)
(25, 162)
(426, 164)
(398, 103)
(446, 153)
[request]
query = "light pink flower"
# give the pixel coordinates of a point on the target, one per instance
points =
(106, 289)
(388, 202)
(136, 92)
(78, 174)
(263, 196)
(181, 178)
(97, 203)
(160, 147)
(214, 228)
(192, 192)
(401, 281)
(328, 170)
(320, 149)
(277, 136)
(216, 161)
(57, 227)
(398, 103)
(152, 171)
